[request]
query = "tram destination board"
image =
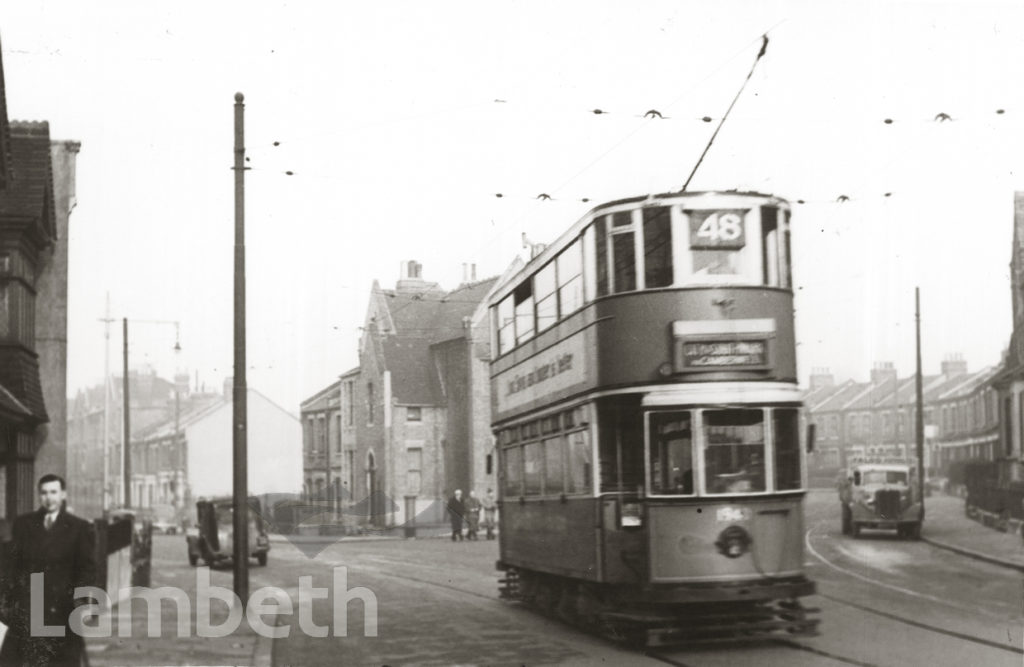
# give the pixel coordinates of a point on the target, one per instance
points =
(700, 355)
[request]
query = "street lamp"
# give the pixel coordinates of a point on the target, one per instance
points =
(126, 448)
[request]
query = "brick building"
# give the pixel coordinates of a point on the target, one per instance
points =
(94, 419)
(415, 413)
(878, 417)
(35, 205)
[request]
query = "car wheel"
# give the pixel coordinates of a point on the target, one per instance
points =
(847, 520)
(261, 558)
(193, 560)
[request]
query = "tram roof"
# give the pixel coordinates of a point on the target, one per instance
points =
(576, 229)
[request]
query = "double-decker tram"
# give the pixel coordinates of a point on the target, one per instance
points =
(646, 411)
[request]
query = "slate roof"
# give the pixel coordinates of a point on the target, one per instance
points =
(866, 395)
(421, 319)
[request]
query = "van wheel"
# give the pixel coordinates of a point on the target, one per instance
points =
(261, 558)
(193, 560)
(847, 520)
(914, 531)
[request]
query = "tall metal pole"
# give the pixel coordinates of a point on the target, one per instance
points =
(106, 491)
(920, 403)
(239, 440)
(126, 447)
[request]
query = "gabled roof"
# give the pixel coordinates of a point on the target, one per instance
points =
(319, 400)
(410, 322)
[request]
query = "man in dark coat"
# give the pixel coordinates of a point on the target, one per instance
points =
(61, 547)
(456, 510)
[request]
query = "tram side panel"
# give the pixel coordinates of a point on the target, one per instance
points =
(641, 336)
(551, 535)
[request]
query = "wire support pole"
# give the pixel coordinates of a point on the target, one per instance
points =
(239, 433)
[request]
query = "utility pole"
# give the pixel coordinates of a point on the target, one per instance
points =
(239, 437)
(106, 491)
(920, 403)
(126, 457)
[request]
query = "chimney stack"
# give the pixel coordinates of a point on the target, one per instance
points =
(882, 372)
(821, 377)
(954, 364)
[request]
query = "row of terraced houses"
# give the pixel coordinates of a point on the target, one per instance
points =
(968, 415)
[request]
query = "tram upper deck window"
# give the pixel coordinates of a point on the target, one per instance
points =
(671, 453)
(523, 300)
(616, 250)
(657, 247)
(570, 279)
(506, 325)
(717, 239)
(547, 297)
(734, 450)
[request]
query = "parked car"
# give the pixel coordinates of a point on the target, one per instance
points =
(213, 537)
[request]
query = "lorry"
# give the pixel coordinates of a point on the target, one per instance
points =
(880, 495)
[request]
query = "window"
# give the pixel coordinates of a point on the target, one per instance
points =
(671, 452)
(734, 450)
(786, 439)
(321, 432)
(513, 471)
(657, 247)
(770, 244)
(580, 471)
(601, 255)
(350, 397)
(506, 325)
(570, 279)
(369, 403)
(337, 430)
(533, 469)
(716, 239)
(553, 483)
(414, 457)
(623, 262)
(523, 304)
(544, 286)
(413, 413)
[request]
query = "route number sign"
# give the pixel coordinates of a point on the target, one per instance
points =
(717, 229)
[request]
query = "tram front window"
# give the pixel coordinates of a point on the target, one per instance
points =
(734, 450)
(671, 452)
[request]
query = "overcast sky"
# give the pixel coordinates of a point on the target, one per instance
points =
(402, 120)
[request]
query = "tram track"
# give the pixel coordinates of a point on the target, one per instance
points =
(900, 618)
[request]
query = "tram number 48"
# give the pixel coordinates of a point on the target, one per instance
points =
(716, 229)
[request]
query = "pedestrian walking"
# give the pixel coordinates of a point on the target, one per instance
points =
(58, 545)
(490, 506)
(472, 516)
(456, 511)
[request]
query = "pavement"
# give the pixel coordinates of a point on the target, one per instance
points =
(243, 646)
(946, 525)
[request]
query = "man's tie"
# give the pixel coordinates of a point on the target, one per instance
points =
(48, 522)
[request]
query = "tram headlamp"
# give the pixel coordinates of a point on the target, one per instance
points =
(733, 542)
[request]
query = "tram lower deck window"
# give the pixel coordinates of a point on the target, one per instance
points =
(734, 451)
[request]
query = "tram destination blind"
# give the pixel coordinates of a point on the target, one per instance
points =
(704, 354)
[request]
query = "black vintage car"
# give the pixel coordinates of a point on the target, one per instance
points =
(213, 537)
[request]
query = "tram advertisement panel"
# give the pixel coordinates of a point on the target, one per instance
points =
(543, 377)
